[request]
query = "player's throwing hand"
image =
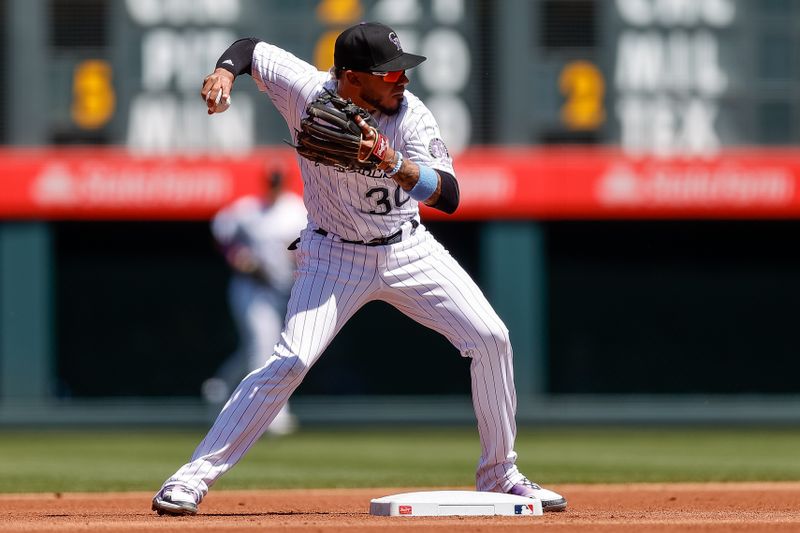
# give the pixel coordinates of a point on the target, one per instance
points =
(216, 91)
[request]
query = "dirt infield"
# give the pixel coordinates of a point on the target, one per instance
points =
(751, 507)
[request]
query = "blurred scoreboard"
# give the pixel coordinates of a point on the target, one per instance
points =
(656, 77)
(130, 72)
(662, 77)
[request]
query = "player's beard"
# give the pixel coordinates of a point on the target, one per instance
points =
(376, 103)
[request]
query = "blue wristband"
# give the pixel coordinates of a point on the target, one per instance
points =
(426, 186)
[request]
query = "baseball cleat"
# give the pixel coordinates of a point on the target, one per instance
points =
(175, 500)
(551, 501)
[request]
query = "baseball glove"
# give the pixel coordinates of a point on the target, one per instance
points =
(337, 133)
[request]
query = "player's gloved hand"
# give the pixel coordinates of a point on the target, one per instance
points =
(216, 90)
(336, 132)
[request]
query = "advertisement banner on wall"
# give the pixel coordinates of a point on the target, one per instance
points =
(495, 183)
(113, 184)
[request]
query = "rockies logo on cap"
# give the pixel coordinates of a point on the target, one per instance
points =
(396, 40)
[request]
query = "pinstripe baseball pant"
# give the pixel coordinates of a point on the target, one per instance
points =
(418, 277)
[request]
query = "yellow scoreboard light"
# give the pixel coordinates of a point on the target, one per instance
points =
(339, 11)
(333, 13)
(583, 87)
(323, 51)
(93, 96)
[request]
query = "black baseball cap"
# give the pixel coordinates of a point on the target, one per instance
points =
(372, 47)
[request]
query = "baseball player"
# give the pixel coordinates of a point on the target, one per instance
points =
(364, 241)
(253, 234)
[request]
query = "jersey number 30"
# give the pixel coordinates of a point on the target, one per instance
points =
(383, 201)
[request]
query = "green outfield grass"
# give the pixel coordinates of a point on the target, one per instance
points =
(92, 460)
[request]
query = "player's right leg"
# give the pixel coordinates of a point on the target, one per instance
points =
(333, 282)
(264, 321)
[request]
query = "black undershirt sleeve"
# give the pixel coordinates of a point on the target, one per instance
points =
(237, 59)
(448, 199)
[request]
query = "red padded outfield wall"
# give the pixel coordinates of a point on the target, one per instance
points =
(496, 183)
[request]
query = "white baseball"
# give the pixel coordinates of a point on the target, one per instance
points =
(221, 105)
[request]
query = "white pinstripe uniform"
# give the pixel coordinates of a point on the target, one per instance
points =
(335, 278)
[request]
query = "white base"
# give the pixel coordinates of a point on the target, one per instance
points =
(454, 503)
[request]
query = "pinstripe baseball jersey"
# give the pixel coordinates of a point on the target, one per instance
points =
(354, 206)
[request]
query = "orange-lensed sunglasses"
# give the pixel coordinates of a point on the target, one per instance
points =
(390, 77)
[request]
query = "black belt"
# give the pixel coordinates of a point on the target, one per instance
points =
(394, 238)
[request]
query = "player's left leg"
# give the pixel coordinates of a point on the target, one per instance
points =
(429, 286)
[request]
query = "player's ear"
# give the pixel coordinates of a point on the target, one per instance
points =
(352, 78)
